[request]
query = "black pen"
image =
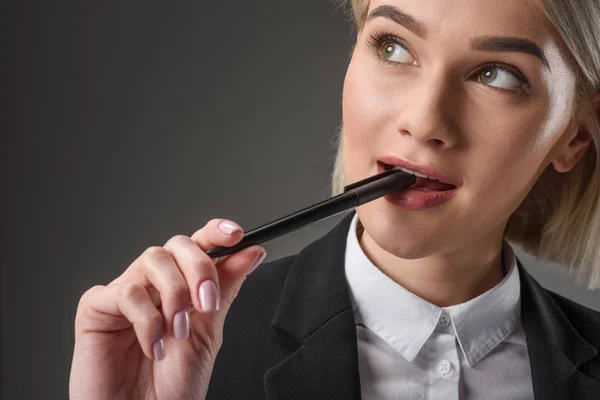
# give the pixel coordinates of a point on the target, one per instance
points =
(354, 195)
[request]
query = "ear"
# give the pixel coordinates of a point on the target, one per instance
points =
(576, 144)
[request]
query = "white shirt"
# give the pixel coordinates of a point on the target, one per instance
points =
(409, 348)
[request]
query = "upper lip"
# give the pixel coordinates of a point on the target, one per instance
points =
(422, 169)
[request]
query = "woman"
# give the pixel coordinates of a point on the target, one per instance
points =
(405, 298)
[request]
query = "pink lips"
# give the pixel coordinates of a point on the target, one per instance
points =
(422, 169)
(415, 199)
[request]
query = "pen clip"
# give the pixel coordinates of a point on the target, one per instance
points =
(369, 179)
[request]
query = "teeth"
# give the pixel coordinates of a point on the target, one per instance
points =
(413, 172)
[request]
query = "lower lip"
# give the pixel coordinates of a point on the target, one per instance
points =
(414, 199)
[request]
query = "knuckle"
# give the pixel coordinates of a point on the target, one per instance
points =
(85, 298)
(90, 293)
(179, 239)
(152, 319)
(211, 225)
(189, 249)
(156, 252)
(179, 291)
(202, 260)
(132, 291)
(199, 234)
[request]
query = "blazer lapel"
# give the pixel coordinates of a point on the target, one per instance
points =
(316, 310)
(555, 348)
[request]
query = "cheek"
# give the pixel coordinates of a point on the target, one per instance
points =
(530, 134)
(362, 120)
(504, 134)
(358, 156)
(366, 102)
(510, 160)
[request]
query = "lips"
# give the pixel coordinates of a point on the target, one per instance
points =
(422, 182)
(431, 175)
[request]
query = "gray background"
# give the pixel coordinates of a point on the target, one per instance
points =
(130, 122)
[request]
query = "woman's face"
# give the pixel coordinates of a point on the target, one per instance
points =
(441, 86)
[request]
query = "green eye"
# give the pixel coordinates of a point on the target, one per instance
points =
(388, 49)
(394, 52)
(499, 77)
(488, 75)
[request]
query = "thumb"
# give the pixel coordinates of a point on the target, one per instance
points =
(233, 271)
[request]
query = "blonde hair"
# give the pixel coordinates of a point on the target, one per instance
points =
(559, 220)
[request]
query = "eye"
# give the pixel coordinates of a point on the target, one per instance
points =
(388, 49)
(394, 52)
(501, 77)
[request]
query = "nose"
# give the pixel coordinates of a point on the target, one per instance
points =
(428, 112)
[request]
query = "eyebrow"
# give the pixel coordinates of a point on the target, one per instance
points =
(487, 43)
(407, 21)
(509, 44)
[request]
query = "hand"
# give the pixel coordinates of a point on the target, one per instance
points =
(155, 331)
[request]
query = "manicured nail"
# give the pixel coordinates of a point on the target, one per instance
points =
(229, 227)
(159, 349)
(209, 299)
(257, 262)
(181, 324)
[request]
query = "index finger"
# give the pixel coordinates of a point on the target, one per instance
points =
(218, 232)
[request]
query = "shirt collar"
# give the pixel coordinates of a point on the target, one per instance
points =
(405, 321)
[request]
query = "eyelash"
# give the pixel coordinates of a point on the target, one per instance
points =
(381, 37)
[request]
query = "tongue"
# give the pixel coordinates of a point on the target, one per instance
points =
(430, 184)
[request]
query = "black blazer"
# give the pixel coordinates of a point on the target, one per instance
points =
(290, 333)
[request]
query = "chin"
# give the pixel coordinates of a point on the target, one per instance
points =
(396, 235)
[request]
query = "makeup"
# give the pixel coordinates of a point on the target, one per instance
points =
(422, 195)
(354, 195)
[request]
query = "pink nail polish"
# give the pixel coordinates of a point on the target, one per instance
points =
(257, 262)
(181, 324)
(158, 348)
(208, 296)
(229, 227)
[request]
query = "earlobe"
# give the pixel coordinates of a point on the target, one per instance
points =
(568, 156)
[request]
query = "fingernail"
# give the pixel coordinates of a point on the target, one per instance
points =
(181, 324)
(229, 227)
(257, 262)
(159, 349)
(209, 296)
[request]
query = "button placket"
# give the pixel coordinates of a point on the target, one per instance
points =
(443, 365)
(444, 368)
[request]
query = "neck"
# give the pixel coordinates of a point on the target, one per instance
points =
(442, 279)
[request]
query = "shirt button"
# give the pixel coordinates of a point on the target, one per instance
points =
(444, 320)
(444, 367)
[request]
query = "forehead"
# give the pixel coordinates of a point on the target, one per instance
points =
(470, 18)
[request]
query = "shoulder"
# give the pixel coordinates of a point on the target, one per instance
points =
(584, 319)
